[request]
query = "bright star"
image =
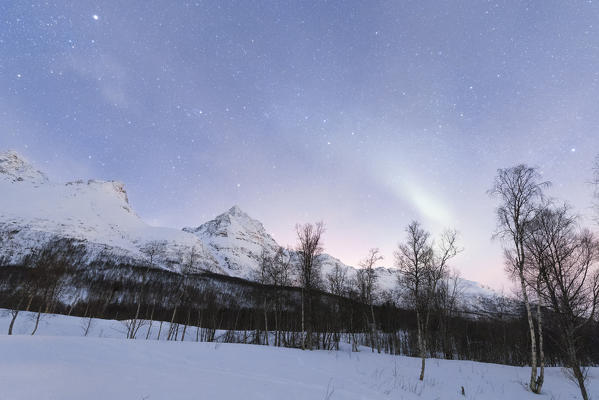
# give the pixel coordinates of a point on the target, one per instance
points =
(95, 17)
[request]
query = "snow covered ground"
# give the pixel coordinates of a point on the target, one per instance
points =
(57, 363)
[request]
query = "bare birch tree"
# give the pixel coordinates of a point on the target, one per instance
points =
(22, 299)
(280, 277)
(519, 190)
(337, 280)
(50, 266)
(263, 276)
(447, 303)
(422, 266)
(189, 262)
(338, 284)
(309, 250)
(153, 250)
(366, 279)
(566, 261)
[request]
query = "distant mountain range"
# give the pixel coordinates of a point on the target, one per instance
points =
(34, 210)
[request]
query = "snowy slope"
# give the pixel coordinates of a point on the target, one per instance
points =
(58, 363)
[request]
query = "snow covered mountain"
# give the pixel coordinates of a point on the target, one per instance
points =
(236, 241)
(34, 209)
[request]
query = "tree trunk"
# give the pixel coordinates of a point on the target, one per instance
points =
(29, 303)
(533, 340)
(198, 328)
(309, 320)
(187, 323)
(575, 365)
(37, 321)
(421, 345)
(12, 321)
(580, 379)
(89, 323)
(422, 366)
(375, 341)
(150, 325)
(541, 378)
(303, 324)
(159, 330)
(277, 338)
(171, 324)
(131, 333)
(177, 331)
(265, 323)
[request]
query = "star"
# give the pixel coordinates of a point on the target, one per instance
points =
(96, 17)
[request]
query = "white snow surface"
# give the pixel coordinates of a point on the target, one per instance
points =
(33, 209)
(58, 363)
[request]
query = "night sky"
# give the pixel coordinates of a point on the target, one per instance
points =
(363, 114)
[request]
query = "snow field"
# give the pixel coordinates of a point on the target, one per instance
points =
(58, 363)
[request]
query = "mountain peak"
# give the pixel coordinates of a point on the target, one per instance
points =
(236, 212)
(234, 219)
(235, 240)
(16, 168)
